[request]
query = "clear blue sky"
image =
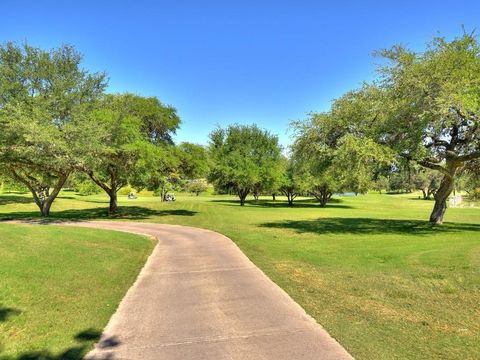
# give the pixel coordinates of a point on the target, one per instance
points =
(219, 62)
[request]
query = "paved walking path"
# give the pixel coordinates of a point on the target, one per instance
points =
(199, 297)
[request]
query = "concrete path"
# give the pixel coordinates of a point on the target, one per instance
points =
(199, 297)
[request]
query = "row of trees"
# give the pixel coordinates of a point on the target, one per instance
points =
(421, 112)
(416, 126)
(56, 120)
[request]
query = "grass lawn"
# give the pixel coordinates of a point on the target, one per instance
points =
(59, 286)
(369, 268)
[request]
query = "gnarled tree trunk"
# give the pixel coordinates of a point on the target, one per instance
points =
(441, 196)
(41, 193)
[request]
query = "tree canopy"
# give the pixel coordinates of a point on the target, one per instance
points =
(244, 159)
(43, 99)
(123, 150)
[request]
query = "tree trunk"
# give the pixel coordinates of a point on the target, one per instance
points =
(45, 210)
(289, 194)
(324, 197)
(290, 201)
(425, 196)
(290, 198)
(274, 197)
(242, 194)
(441, 196)
(41, 194)
(256, 195)
(113, 202)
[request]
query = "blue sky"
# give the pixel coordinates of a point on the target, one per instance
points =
(221, 62)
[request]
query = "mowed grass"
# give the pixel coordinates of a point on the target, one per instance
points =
(59, 286)
(370, 269)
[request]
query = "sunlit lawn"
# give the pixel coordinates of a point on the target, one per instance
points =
(369, 268)
(59, 287)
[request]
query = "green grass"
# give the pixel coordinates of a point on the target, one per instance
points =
(59, 286)
(381, 280)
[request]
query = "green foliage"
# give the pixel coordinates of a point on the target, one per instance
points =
(197, 186)
(193, 160)
(424, 107)
(43, 99)
(380, 184)
(430, 109)
(166, 184)
(294, 180)
(333, 156)
(245, 159)
(125, 190)
(122, 152)
(87, 187)
(470, 180)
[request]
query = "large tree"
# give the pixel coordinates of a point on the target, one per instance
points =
(244, 158)
(334, 156)
(43, 96)
(430, 109)
(129, 142)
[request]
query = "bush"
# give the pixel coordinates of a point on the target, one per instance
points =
(88, 188)
(197, 186)
(125, 190)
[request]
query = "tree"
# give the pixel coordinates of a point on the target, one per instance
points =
(293, 181)
(399, 181)
(165, 184)
(425, 180)
(244, 157)
(197, 186)
(124, 149)
(380, 184)
(430, 109)
(193, 160)
(470, 179)
(43, 96)
(333, 155)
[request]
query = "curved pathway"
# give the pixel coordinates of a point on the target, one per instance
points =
(199, 297)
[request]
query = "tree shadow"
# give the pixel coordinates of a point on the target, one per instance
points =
(6, 313)
(85, 340)
(362, 226)
(15, 199)
(310, 203)
(124, 212)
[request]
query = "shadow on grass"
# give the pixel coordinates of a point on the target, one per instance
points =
(85, 341)
(124, 212)
(6, 312)
(84, 198)
(369, 226)
(310, 203)
(15, 199)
